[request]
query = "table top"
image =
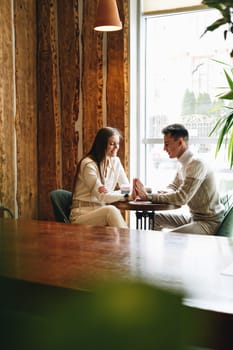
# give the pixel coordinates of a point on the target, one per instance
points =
(75, 256)
(145, 206)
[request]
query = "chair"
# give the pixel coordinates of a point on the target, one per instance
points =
(61, 202)
(226, 226)
(4, 210)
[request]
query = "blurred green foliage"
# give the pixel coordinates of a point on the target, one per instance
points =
(114, 316)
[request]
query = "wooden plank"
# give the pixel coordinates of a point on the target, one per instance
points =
(7, 153)
(49, 125)
(26, 113)
(69, 75)
(92, 75)
(118, 81)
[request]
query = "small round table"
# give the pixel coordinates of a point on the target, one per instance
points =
(145, 211)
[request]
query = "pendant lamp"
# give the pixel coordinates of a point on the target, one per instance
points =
(107, 18)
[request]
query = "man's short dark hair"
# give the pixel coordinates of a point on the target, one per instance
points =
(176, 131)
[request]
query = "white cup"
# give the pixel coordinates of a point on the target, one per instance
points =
(125, 188)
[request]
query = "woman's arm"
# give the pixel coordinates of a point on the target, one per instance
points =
(98, 192)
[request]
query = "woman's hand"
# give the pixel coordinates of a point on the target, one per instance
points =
(102, 189)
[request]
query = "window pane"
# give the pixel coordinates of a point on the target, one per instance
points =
(181, 85)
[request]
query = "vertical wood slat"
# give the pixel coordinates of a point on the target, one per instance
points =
(92, 75)
(26, 117)
(49, 126)
(118, 80)
(7, 154)
(69, 75)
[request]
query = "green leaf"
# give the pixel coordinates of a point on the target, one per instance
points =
(229, 80)
(230, 149)
(214, 4)
(221, 62)
(223, 125)
(219, 22)
(216, 127)
(227, 96)
(217, 4)
(225, 128)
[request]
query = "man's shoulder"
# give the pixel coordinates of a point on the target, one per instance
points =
(197, 162)
(199, 166)
(197, 159)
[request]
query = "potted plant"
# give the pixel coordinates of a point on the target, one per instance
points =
(224, 125)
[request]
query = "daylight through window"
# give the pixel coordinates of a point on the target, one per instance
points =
(180, 81)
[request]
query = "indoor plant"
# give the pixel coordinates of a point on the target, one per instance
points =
(224, 125)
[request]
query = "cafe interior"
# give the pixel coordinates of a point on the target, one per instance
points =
(64, 75)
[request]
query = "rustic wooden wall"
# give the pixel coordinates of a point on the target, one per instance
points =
(58, 97)
(60, 82)
(49, 125)
(105, 103)
(92, 72)
(18, 108)
(7, 150)
(69, 76)
(100, 102)
(26, 109)
(118, 80)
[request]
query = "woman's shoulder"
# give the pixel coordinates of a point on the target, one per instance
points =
(87, 161)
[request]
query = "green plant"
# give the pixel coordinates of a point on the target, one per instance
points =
(226, 10)
(224, 125)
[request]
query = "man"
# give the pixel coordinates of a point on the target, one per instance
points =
(194, 185)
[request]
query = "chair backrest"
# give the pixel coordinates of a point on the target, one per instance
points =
(227, 201)
(226, 227)
(61, 202)
(4, 210)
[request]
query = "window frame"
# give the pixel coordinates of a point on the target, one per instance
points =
(139, 142)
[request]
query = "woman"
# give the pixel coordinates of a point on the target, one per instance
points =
(97, 175)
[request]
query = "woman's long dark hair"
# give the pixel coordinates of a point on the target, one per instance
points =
(98, 149)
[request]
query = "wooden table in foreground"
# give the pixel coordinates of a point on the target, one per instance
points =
(144, 211)
(74, 256)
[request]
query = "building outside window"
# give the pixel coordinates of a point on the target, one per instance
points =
(179, 80)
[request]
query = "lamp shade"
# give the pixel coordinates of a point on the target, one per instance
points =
(107, 18)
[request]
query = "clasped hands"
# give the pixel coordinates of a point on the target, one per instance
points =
(138, 192)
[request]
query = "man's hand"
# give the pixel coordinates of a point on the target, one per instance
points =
(139, 190)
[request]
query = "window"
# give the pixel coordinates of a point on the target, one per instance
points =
(179, 82)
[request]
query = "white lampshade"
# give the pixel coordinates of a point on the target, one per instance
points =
(107, 18)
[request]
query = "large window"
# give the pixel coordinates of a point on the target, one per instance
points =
(179, 82)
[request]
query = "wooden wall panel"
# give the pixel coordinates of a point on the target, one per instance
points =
(118, 80)
(58, 97)
(49, 126)
(26, 111)
(69, 75)
(7, 154)
(92, 75)
(40, 78)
